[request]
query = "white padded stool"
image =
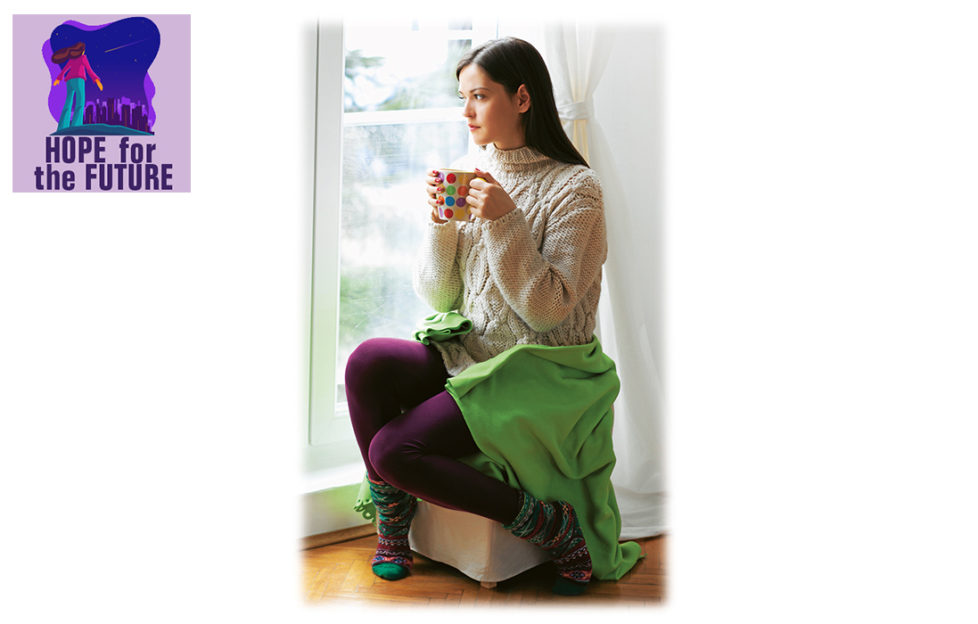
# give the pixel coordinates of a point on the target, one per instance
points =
(478, 547)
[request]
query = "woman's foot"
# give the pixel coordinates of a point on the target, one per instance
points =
(395, 508)
(554, 527)
(392, 560)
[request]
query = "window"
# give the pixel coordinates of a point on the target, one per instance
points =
(393, 85)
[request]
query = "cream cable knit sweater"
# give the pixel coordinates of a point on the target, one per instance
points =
(533, 276)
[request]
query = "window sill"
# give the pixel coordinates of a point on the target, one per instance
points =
(328, 499)
(330, 478)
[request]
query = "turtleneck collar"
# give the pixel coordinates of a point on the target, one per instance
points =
(518, 157)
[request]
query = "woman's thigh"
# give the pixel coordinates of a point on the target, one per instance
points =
(402, 373)
(435, 427)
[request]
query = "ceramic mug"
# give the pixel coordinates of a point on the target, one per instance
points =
(453, 197)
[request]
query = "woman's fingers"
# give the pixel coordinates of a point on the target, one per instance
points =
(476, 198)
(434, 216)
(433, 185)
(486, 177)
(489, 198)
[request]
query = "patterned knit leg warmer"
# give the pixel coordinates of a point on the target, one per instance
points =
(395, 508)
(554, 527)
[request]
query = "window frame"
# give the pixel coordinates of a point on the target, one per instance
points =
(330, 450)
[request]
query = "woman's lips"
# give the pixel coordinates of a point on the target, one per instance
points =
(471, 127)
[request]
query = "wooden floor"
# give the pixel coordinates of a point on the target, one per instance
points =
(340, 573)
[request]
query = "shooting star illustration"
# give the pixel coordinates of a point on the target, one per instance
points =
(125, 46)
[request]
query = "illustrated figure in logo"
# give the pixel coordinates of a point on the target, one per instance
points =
(119, 52)
(74, 73)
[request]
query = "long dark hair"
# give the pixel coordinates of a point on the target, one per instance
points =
(64, 54)
(513, 62)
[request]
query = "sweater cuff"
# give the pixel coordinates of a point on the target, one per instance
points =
(447, 225)
(442, 231)
(504, 223)
(441, 240)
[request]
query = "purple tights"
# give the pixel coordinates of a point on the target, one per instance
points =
(411, 432)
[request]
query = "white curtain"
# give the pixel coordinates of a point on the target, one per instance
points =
(577, 56)
(576, 59)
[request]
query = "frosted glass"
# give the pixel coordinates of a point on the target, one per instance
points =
(383, 214)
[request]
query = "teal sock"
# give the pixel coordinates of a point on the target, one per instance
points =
(390, 571)
(395, 508)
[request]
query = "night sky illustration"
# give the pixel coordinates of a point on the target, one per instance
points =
(120, 53)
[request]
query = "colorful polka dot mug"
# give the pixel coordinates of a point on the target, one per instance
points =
(455, 193)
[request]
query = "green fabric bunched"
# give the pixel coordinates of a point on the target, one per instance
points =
(542, 417)
(442, 326)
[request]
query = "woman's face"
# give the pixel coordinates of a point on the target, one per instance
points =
(492, 113)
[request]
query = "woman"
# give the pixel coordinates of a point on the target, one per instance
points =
(74, 73)
(526, 271)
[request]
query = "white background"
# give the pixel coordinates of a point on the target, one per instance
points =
(820, 332)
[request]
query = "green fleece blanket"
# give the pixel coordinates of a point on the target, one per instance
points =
(542, 417)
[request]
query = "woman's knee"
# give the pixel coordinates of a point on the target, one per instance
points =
(390, 456)
(368, 361)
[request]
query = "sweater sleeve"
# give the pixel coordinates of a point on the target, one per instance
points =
(544, 285)
(437, 277)
(88, 67)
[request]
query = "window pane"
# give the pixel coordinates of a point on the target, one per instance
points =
(395, 68)
(382, 219)
(460, 24)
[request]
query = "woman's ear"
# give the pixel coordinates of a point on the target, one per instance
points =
(522, 99)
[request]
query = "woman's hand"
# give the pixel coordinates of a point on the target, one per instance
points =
(433, 186)
(487, 199)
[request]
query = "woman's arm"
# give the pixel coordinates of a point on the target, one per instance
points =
(64, 70)
(88, 67)
(437, 277)
(544, 285)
